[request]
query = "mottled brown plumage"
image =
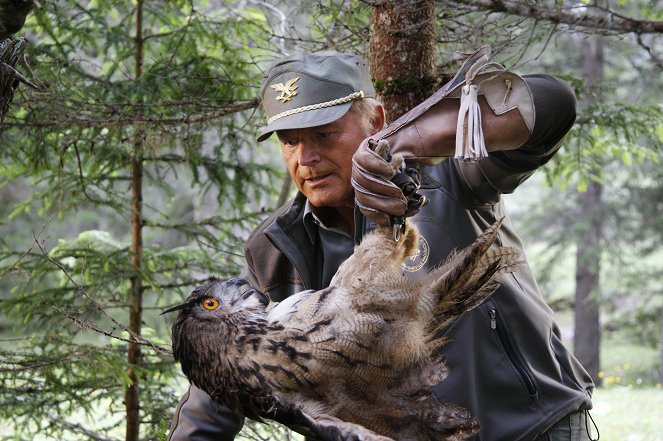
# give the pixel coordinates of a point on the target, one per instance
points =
(355, 361)
(12, 19)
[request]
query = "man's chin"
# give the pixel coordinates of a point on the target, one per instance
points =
(321, 202)
(330, 203)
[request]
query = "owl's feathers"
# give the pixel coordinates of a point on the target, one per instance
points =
(354, 361)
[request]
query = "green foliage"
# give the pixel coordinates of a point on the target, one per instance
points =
(343, 24)
(621, 132)
(186, 115)
(56, 377)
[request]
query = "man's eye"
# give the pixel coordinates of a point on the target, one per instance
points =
(326, 135)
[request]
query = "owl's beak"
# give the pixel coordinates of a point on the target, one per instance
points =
(174, 308)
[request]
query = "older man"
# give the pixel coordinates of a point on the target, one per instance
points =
(507, 363)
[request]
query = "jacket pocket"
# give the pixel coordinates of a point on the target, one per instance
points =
(498, 327)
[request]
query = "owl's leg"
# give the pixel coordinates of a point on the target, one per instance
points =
(333, 429)
(444, 421)
(423, 419)
(378, 254)
(324, 427)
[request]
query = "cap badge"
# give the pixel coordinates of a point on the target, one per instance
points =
(288, 90)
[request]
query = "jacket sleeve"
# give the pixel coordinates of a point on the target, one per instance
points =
(503, 171)
(198, 418)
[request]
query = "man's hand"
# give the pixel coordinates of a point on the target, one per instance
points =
(385, 191)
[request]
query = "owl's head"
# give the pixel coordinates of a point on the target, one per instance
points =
(206, 317)
(220, 298)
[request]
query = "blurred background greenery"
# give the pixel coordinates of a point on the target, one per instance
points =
(132, 175)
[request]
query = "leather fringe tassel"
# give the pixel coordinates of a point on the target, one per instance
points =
(470, 143)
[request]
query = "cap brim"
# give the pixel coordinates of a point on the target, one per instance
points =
(309, 118)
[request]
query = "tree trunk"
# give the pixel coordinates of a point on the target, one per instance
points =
(134, 355)
(587, 335)
(660, 367)
(402, 59)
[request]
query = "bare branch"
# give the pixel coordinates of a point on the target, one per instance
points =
(655, 59)
(577, 17)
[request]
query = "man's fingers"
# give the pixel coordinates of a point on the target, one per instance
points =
(369, 183)
(374, 215)
(370, 202)
(376, 195)
(372, 162)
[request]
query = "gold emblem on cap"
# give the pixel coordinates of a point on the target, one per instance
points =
(288, 90)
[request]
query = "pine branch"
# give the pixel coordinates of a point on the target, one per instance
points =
(135, 338)
(139, 120)
(213, 221)
(77, 428)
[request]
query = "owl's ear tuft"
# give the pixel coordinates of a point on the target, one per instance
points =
(173, 308)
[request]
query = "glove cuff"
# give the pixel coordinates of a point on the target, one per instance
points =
(450, 121)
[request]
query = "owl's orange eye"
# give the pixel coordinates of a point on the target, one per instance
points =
(210, 303)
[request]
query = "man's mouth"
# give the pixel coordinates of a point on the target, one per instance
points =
(318, 178)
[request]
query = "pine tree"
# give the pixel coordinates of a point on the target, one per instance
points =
(144, 119)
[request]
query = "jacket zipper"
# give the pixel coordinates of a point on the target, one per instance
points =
(511, 354)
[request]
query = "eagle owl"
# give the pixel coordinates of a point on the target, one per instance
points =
(354, 361)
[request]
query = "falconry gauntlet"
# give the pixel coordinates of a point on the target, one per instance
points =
(483, 108)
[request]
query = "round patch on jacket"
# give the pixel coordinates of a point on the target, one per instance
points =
(419, 259)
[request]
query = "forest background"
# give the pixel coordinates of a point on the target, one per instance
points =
(132, 175)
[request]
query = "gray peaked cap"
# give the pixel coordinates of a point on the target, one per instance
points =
(311, 89)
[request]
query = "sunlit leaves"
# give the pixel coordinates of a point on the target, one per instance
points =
(624, 133)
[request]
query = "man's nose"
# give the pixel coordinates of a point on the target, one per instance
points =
(308, 153)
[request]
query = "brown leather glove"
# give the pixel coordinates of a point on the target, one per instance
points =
(385, 189)
(375, 194)
(482, 108)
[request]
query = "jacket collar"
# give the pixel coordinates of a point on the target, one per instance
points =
(289, 235)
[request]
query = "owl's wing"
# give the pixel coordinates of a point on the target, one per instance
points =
(285, 310)
(469, 277)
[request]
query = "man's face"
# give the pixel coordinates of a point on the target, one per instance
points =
(319, 159)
